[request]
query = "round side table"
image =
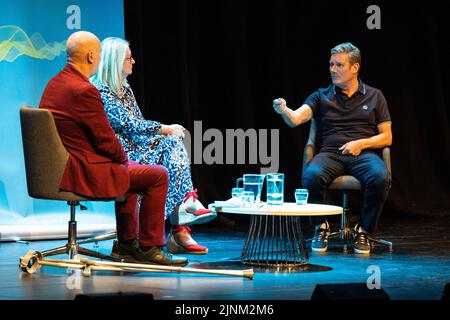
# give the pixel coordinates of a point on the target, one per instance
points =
(274, 238)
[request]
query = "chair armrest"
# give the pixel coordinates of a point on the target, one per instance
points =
(310, 149)
(386, 154)
(308, 154)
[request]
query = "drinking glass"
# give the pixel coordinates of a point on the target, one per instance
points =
(301, 196)
(248, 198)
(236, 192)
(275, 188)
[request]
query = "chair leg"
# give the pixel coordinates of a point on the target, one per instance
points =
(111, 235)
(52, 252)
(333, 235)
(382, 242)
(345, 232)
(98, 255)
(72, 247)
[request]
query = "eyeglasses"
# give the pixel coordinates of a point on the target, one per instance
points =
(130, 58)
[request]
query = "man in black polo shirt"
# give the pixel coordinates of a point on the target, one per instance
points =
(352, 122)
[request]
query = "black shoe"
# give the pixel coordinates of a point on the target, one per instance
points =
(155, 255)
(362, 244)
(126, 252)
(320, 241)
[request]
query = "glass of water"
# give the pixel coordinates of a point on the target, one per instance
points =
(301, 196)
(248, 198)
(275, 188)
(236, 192)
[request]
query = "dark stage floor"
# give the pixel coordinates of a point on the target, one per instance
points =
(418, 268)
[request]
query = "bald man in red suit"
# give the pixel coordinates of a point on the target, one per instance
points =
(98, 166)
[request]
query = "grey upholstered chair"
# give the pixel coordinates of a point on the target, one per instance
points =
(344, 184)
(45, 161)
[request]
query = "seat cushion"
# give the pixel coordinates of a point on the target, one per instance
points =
(345, 183)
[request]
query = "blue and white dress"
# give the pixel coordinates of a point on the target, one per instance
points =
(142, 143)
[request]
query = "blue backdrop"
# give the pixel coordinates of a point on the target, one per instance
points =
(32, 50)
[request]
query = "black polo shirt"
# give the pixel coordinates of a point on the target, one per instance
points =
(341, 119)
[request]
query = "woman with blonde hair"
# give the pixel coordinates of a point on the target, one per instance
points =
(151, 142)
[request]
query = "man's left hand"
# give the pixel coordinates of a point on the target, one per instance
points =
(353, 147)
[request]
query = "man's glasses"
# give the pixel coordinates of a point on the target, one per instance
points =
(130, 58)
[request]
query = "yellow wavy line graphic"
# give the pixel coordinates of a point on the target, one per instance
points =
(14, 42)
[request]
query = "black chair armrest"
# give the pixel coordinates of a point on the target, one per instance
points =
(310, 149)
(386, 154)
(308, 154)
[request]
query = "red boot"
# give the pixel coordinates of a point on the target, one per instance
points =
(180, 241)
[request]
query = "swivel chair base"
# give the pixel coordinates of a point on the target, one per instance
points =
(348, 234)
(72, 247)
(345, 233)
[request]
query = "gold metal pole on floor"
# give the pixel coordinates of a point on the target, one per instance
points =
(33, 260)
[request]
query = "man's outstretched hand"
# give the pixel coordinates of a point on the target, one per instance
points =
(279, 105)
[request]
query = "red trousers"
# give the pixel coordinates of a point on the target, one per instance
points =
(146, 224)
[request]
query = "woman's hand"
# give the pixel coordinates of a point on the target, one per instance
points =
(173, 130)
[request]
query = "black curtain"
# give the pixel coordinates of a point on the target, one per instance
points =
(222, 62)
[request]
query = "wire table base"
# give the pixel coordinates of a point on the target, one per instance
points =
(274, 241)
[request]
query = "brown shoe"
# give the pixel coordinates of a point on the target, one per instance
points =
(126, 252)
(155, 255)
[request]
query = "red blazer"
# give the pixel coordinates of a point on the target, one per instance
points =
(97, 165)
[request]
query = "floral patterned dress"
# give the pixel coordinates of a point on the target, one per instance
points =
(142, 143)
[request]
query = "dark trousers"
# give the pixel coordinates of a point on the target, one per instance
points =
(147, 223)
(368, 168)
